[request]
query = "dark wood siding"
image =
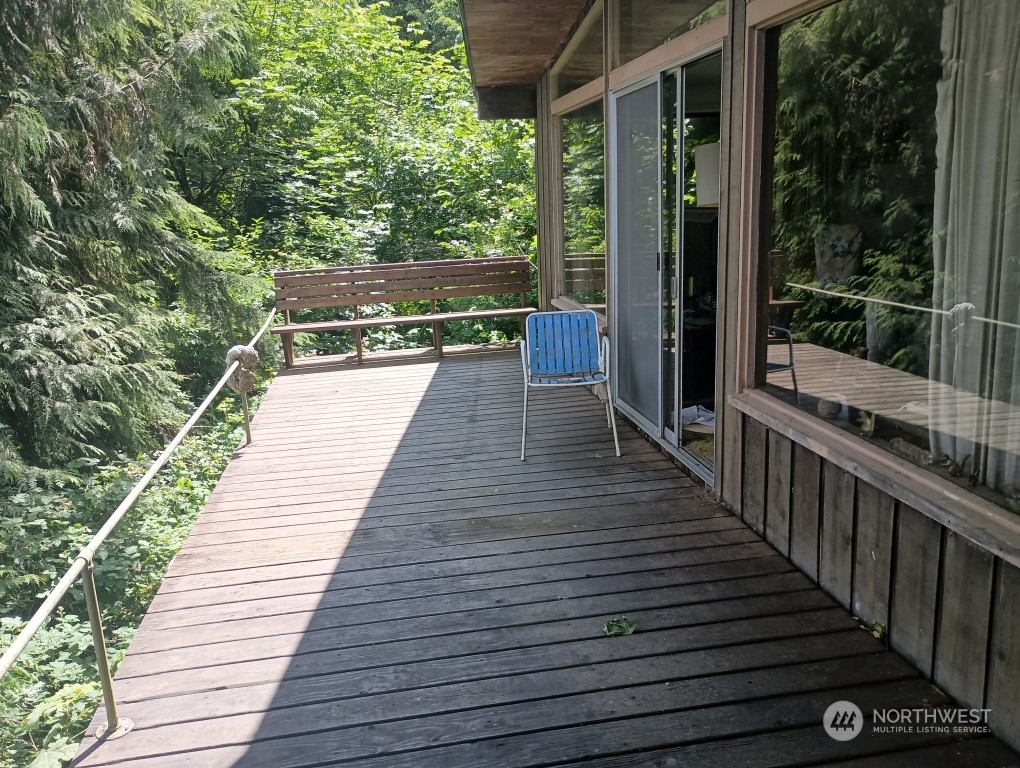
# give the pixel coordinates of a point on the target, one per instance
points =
(836, 533)
(1004, 650)
(965, 605)
(804, 517)
(876, 524)
(949, 606)
(915, 587)
(779, 477)
(755, 457)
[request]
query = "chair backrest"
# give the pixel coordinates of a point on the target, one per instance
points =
(562, 343)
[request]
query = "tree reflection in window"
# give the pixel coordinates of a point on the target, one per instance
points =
(895, 206)
(584, 206)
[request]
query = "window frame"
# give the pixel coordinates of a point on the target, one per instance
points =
(691, 45)
(583, 96)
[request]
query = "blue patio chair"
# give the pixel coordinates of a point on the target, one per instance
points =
(562, 349)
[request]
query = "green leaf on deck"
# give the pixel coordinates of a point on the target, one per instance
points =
(620, 626)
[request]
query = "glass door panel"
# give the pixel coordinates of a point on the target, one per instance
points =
(638, 158)
(698, 152)
(665, 254)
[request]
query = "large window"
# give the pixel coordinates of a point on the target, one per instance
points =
(584, 206)
(892, 231)
(582, 62)
(643, 25)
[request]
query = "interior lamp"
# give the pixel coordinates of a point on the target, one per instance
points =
(707, 161)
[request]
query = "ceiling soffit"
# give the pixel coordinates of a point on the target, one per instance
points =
(512, 42)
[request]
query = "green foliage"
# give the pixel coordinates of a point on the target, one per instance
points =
(76, 378)
(618, 627)
(48, 698)
(95, 239)
(351, 143)
(437, 22)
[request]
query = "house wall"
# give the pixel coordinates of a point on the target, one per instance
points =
(935, 574)
(948, 605)
(735, 292)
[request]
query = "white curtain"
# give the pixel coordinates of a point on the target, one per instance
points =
(976, 344)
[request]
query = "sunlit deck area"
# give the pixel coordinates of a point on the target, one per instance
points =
(378, 580)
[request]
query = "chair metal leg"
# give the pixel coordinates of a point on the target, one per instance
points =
(609, 418)
(612, 416)
(796, 391)
(524, 427)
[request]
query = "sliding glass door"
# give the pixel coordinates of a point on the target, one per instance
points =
(638, 215)
(664, 228)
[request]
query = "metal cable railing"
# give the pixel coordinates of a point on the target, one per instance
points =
(908, 307)
(83, 563)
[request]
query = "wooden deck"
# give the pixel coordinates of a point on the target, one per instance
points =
(378, 580)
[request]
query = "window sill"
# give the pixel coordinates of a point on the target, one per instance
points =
(987, 525)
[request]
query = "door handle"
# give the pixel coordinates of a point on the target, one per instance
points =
(658, 262)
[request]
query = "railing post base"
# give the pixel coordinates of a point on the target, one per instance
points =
(124, 726)
(120, 725)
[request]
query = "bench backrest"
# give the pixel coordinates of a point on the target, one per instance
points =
(407, 281)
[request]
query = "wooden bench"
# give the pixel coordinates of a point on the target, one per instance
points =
(431, 281)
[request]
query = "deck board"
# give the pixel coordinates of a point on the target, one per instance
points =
(379, 581)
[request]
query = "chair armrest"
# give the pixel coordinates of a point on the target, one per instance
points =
(524, 359)
(783, 335)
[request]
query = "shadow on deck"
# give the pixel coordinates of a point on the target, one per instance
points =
(378, 580)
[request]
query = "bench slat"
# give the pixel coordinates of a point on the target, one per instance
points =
(400, 265)
(379, 322)
(389, 298)
(397, 271)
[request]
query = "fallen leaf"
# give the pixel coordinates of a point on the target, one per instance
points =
(620, 626)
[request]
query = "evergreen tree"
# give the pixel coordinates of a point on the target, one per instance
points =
(95, 238)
